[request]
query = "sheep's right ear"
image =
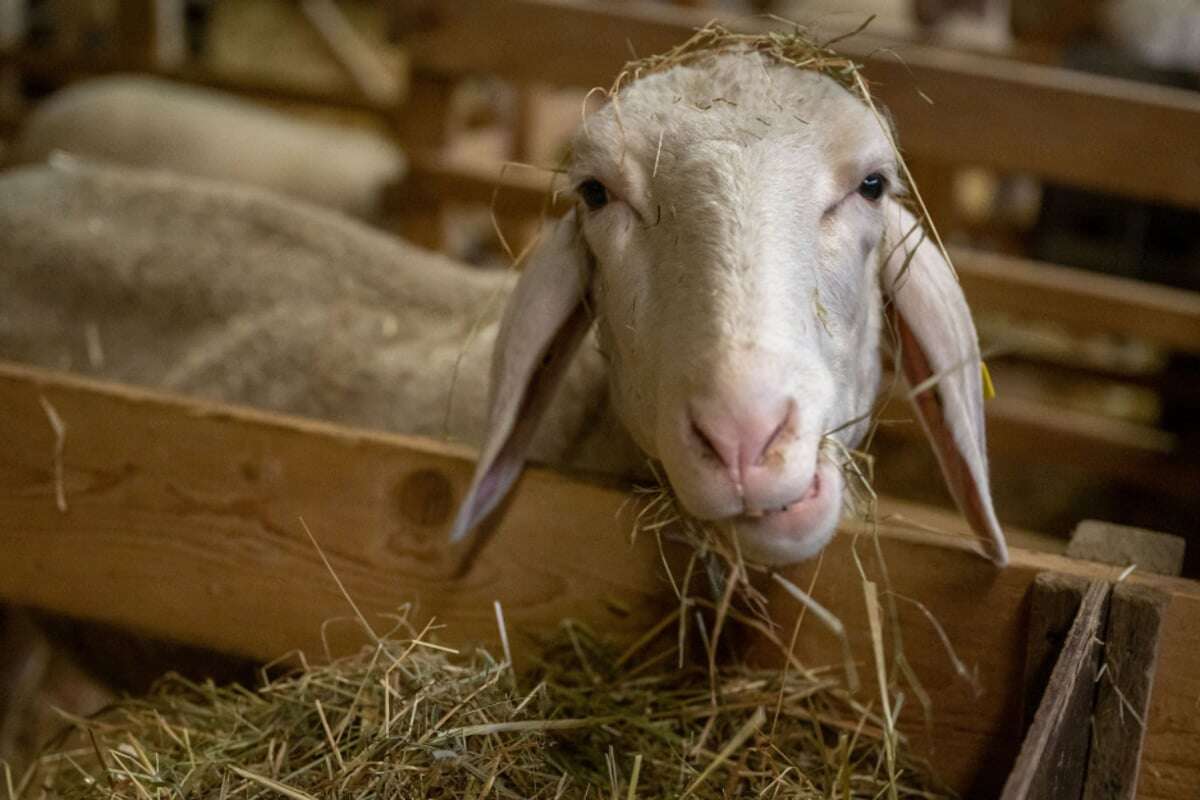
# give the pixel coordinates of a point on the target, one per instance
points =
(546, 318)
(939, 356)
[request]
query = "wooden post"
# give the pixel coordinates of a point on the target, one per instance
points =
(1121, 545)
(1054, 756)
(1053, 605)
(151, 34)
(426, 124)
(1123, 695)
(12, 31)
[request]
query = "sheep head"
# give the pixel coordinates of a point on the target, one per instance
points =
(737, 243)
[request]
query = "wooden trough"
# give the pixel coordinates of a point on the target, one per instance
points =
(182, 521)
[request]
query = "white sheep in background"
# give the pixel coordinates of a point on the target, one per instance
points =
(231, 293)
(735, 251)
(149, 122)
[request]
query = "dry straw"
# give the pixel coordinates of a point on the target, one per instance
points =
(667, 717)
(407, 718)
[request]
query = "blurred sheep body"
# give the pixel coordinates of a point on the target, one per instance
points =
(149, 122)
(237, 295)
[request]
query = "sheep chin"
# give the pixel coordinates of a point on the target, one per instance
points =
(798, 532)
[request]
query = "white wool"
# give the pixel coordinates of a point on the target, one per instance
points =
(149, 122)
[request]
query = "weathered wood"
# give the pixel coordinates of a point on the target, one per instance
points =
(1054, 602)
(1135, 620)
(182, 521)
(1054, 755)
(1122, 546)
(1061, 125)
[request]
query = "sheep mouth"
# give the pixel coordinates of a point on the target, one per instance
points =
(813, 494)
(798, 530)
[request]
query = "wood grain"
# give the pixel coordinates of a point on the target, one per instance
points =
(1131, 645)
(182, 521)
(1054, 602)
(975, 729)
(1053, 760)
(950, 106)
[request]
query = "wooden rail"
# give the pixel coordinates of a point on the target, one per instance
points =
(182, 520)
(950, 107)
(60, 67)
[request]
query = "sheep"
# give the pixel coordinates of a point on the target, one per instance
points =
(151, 122)
(235, 294)
(736, 245)
(715, 302)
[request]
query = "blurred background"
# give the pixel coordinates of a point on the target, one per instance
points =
(1056, 144)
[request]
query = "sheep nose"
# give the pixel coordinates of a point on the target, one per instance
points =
(740, 435)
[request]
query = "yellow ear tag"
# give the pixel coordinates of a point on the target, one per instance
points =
(989, 389)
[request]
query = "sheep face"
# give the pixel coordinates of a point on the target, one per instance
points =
(734, 238)
(734, 213)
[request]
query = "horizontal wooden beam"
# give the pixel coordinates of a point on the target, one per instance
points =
(61, 67)
(950, 106)
(1101, 447)
(1082, 300)
(182, 520)
(438, 177)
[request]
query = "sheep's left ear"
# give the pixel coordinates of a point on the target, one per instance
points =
(939, 355)
(546, 318)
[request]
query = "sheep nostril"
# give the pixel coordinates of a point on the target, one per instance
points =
(710, 449)
(776, 434)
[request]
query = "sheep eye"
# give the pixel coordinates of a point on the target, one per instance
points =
(593, 193)
(872, 186)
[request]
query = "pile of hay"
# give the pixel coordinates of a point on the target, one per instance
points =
(408, 718)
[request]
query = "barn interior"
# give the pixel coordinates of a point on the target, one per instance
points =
(1052, 144)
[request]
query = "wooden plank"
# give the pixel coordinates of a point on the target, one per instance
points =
(1085, 301)
(1061, 125)
(1053, 760)
(1122, 546)
(975, 728)
(354, 54)
(1131, 645)
(1053, 606)
(63, 68)
(1106, 448)
(185, 518)
(449, 178)
(182, 521)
